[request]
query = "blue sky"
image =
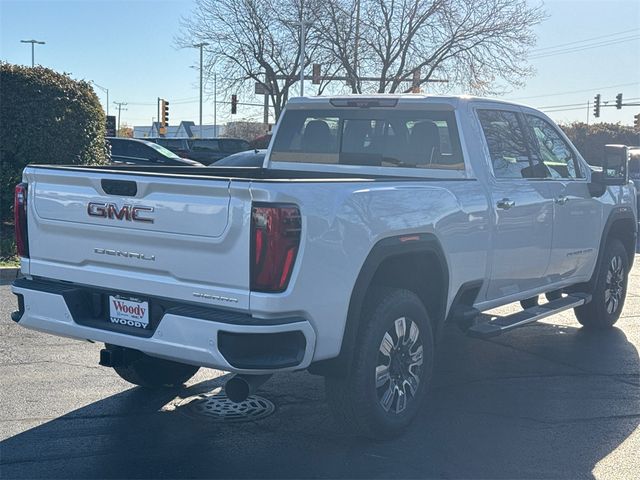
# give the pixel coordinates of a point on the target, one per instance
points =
(129, 47)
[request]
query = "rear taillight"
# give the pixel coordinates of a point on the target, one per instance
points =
(275, 238)
(20, 220)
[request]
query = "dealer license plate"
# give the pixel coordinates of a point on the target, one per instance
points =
(131, 312)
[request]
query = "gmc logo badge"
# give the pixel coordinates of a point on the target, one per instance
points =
(127, 212)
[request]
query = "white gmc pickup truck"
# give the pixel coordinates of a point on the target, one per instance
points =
(372, 223)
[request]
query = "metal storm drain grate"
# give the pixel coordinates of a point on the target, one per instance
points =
(219, 408)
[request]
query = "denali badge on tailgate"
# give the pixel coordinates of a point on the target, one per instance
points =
(111, 210)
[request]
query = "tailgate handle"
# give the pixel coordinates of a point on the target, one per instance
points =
(123, 188)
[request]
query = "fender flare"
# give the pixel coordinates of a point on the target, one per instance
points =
(383, 250)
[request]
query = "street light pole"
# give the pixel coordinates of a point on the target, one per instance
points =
(105, 90)
(33, 55)
(200, 45)
(303, 40)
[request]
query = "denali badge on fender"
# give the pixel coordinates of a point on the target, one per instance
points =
(111, 210)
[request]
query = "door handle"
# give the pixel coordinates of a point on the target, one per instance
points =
(506, 204)
(561, 200)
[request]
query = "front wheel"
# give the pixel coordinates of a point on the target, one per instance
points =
(609, 291)
(391, 371)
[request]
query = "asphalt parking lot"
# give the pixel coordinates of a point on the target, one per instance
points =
(545, 401)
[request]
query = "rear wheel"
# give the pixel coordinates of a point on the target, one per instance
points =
(609, 291)
(152, 372)
(391, 372)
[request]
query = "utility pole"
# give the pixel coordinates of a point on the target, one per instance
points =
(200, 45)
(105, 90)
(33, 43)
(588, 109)
(120, 105)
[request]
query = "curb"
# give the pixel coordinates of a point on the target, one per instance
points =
(8, 274)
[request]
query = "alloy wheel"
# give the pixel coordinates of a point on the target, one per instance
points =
(399, 367)
(614, 284)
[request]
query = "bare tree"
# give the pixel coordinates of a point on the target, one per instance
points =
(245, 129)
(478, 45)
(252, 41)
(473, 43)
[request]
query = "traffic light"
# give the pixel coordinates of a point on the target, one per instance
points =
(315, 78)
(164, 113)
(596, 106)
(234, 104)
(619, 101)
(636, 122)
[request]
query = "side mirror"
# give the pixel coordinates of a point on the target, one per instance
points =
(614, 170)
(615, 165)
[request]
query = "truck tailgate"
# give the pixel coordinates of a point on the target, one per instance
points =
(175, 237)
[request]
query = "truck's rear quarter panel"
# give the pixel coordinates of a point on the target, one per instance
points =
(342, 221)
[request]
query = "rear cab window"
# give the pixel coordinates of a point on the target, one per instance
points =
(407, 138)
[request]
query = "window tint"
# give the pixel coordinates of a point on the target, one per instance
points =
(138, 150)
(173, 143)
(388, 138)
(160, 151)
(118, 148)
(205, 146)
(507, 144)
(551, 150)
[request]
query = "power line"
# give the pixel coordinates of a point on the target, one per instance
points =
(585, 47)
(578, 91)
(536, 50)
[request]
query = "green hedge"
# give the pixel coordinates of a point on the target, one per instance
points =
(591, 139)
(45, 117)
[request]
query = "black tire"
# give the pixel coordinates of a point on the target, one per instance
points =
(356, 401)
(151, 372)
(609, 291)
(529, 302)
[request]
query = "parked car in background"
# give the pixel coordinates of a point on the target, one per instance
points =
(210, 150)
(250, 158)
(179, 146)
(132, 151)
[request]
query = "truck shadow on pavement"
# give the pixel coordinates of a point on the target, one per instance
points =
(544, 401)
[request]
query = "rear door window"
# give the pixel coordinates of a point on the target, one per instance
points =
(370, 137)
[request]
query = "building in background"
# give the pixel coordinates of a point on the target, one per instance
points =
(186, 129)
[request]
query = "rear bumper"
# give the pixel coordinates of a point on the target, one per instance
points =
(189, 334)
